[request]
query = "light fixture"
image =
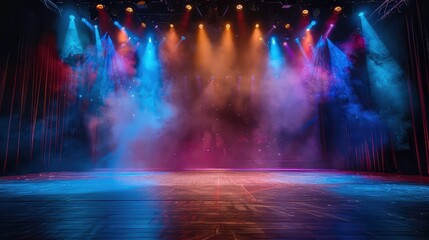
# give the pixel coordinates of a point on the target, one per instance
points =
(256, 25)
(338, 9)
(188, 7)
(99, 6)
(228, 26)
(129, 10)
(305, 12)
(171, 25)
(287, 25)
(201, 26)
(239, 7)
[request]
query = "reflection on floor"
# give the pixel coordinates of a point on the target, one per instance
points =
(216, 204)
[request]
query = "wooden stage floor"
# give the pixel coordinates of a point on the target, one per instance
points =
(214, 204)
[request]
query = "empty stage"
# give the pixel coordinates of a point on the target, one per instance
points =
(213, 204)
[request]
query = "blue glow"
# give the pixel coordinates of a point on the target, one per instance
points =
(313, 23)
(388, 85)
(117, 24)
(72, 44)
(183, 38)
(150, 40)
(88, 24)
(276, 59)
(361, 14)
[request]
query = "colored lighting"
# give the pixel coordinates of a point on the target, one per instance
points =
(239, 7)
(273, 41)
(260, 39)
(201, 26)
(313, 23)
(361, 14)
(257, 26)
(72, 17)
(338, 9)
(95, 26)
(285, 44)
(188, 7)
(228, 26)
(150, 40)
(331, 25)
(143, 25)
(100, 6)
(171, 25)
(287, 25)
(274, 26)
(183, 38)
(305, 12)
(129, 10)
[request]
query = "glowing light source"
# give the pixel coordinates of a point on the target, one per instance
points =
(183, 38)
(273, 41)
(228, 26)
(305, 12)
(361, 14)
(188, 7)
(331, 25)
(287, 25)
(150, 40)
(338, 9)
(129, 10)
(99, 6)
(201, 26)
(256, 25)
(239, 7)
(95, 26)
(171, 25)
(285, 44)
(143, 25)
(72, 17)
(313, 23)
(260, 39)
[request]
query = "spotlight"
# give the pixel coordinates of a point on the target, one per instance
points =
(287, 25)
(313, 23)
(256, 25)
(361, 14)
(183, 38)
(129, 10)
(228, 26)
(72, 17)
(143, 25)
(285, 44)
(83, 20)
(308, 29)
(201, 26)
(331, 25)
(338, 9)
(260, 39)
(188, 7)
(273, 41)
(171, 25)
(99, 6)
(305, 12)
(95, 26)
(274, 26)
(150, 40)
(239, 7)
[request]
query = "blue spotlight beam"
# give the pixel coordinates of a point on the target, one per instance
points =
(276, 59)
(72, 44)
(88, 24)
(388, 83)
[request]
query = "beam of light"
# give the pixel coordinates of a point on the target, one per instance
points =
(328, 32)
(301, 49)
(311, 25)
(98, 44)
(117, 24)
(227, 51)
(204, 50)
(123, 36)
(276, 60)
(88, 24)
(72, 44)
(387, 81)
(308, 43)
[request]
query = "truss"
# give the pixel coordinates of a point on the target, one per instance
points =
(387, 7)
